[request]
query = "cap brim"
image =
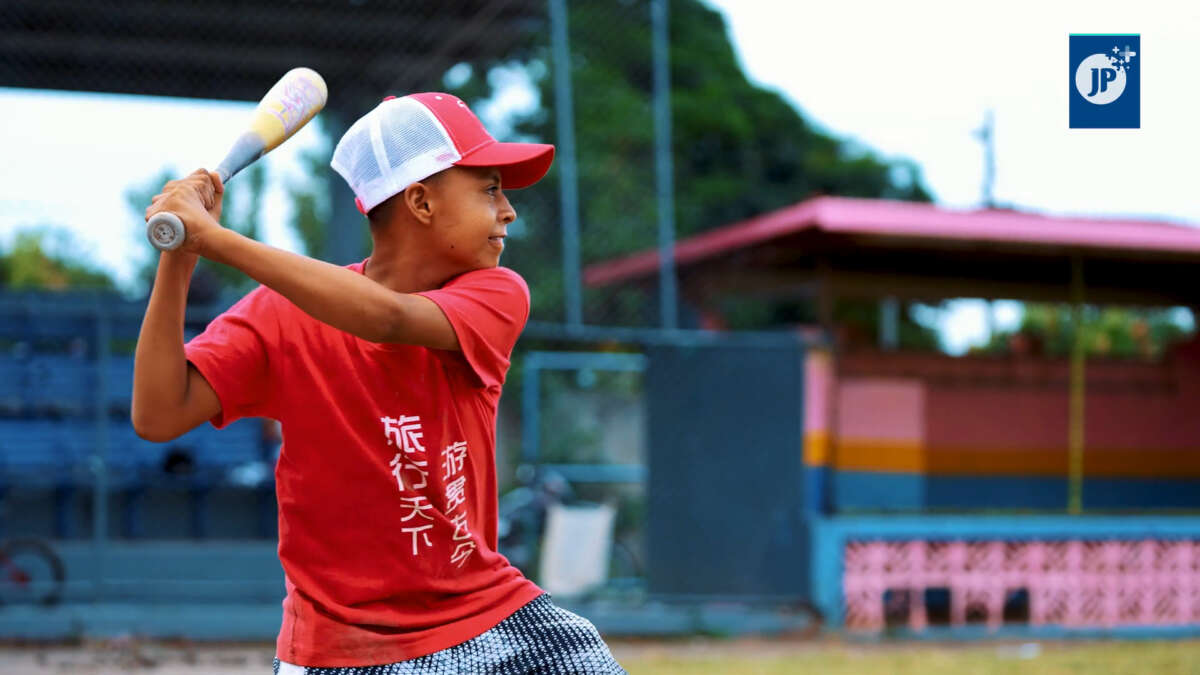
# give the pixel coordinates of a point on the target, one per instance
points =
(520, 164)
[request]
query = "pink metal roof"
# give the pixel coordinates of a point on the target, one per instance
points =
(894, 219)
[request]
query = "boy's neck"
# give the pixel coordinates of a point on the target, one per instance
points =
(404, 269)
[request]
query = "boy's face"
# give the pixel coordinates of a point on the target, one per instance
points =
(472, 216)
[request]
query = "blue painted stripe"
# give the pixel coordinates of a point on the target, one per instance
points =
(869, 490)
(817, 497)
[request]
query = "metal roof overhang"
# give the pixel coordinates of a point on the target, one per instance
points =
(235, 50)
(877, 248)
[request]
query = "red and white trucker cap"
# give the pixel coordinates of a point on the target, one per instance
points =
(408, 139)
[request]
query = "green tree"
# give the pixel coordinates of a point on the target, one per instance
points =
(1113, 332)
(309, 195)
(307, 192)
(739, 150)
(47, 257)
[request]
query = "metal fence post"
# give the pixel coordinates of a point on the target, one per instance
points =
(564, 116)
(663, 166)
(99, 459)
(531, 413)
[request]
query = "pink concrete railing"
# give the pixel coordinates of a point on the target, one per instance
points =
(1076, 584)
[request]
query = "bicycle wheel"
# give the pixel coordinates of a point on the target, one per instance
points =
(31, 573)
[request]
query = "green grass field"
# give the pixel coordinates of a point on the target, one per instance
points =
(685, 657)
(771, 658)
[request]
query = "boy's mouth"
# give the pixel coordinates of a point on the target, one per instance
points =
(497, 240)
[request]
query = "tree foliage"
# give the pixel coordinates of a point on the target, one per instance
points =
(243, 212)
(1113, 332)
(739, 150)
(48, 257)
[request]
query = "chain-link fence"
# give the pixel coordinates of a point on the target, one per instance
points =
(659, 135)
(505, 58)
(576, 74)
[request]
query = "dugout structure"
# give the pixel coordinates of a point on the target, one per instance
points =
(892, 439)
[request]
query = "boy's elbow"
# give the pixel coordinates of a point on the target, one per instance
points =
(150, 427)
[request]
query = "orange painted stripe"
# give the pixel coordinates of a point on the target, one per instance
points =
(909, 457)
(894, 456)
(816, 448)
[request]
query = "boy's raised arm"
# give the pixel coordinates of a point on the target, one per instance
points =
(170, 397)
(329, 293)
(335, 295)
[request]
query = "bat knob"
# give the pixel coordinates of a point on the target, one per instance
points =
(165, 230)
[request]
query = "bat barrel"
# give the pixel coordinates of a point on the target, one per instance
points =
(289, 105)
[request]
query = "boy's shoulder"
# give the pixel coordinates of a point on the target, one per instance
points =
(497, 272)
(490, 278)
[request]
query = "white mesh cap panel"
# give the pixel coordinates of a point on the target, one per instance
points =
(395, 145)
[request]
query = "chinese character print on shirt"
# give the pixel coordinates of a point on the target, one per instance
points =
(400, 464)
(405, 433)
(410, 468)
(409, 462)
(416, 508)
(452, 460)
(452, 465)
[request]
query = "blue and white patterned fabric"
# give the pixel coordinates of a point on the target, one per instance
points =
(538, 638)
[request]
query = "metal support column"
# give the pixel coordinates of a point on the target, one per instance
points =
(99, 458)
(347, 230)
(663, 166)
(568, 175)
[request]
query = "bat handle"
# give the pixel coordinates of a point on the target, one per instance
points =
(165, 230)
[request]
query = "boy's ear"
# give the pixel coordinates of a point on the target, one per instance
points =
(418, 199)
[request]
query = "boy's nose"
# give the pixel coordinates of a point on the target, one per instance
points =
(507, 213)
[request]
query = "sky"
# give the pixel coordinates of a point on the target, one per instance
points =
(79, 153)
(910, 80)
(915, 79)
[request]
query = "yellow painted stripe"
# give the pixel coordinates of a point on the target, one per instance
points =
(909, 457)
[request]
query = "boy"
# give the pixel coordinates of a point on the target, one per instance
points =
(385, 376)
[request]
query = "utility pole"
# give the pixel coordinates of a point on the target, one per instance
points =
(986, 136)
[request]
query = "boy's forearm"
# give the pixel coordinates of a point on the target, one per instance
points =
(329, 293)
(160, 364)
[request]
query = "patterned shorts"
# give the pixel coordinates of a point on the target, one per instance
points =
(538, 638)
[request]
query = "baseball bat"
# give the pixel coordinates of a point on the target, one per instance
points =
(290, 104)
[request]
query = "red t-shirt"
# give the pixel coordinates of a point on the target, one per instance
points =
(387, 478)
